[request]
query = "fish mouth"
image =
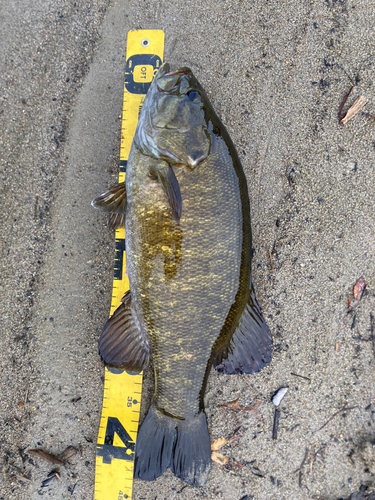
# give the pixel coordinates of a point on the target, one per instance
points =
(165, 70)
(180, 71)
(168, 79)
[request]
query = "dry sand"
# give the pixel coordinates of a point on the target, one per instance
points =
(276, 73)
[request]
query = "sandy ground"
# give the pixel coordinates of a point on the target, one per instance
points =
(276, 73)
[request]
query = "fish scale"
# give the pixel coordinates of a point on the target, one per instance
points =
(179, 322)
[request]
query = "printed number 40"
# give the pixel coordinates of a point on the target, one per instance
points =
(108, 451)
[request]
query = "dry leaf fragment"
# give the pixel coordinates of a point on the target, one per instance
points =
(353, 110)
(359, 288)
(348, 303)
(231, 405)
(343, 102)
(235, 406)
(234, 439)
(236, 463)
(69, 453)
(218, 444)
(46, 456)
(255, 405)
(219, 458)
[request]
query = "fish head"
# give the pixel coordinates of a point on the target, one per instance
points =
(173, 125)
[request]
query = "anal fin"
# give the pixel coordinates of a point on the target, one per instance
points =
(249, 348)
(122, 344)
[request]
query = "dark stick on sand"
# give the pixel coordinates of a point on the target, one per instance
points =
(276, 424)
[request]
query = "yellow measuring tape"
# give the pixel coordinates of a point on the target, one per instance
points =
(122, 391)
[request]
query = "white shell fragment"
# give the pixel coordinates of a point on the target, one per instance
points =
(279, 396)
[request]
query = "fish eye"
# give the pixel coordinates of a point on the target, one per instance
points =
(193, 95)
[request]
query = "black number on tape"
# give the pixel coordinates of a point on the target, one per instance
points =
(108, 451)
(119, 258)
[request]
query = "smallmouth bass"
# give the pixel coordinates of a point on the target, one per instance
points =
(191, 302)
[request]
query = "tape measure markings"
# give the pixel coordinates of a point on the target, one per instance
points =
(122, 391)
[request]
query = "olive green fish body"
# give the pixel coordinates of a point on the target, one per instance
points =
(184, 276)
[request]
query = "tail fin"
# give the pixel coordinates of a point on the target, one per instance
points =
(182, 445)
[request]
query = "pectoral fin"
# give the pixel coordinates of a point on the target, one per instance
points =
(122, 344)
(115, 221)
(249, 348)
(169, 182)
(112, 200)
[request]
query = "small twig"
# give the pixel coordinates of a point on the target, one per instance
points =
(363, 340)
(344, 408)
(270, 254)
(294, 427)
(275, 424)
(26, 394)
(319, 454)
(343, 102)
(50, 478)
(353, 82)
(248, 383)
(23, 478)
(333, 416)
(301, 376)
(255, 470)
(46, 456)
(232, 437)
(303, 461)
(74, 487)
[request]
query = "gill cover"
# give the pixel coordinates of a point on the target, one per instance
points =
(173, 124)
